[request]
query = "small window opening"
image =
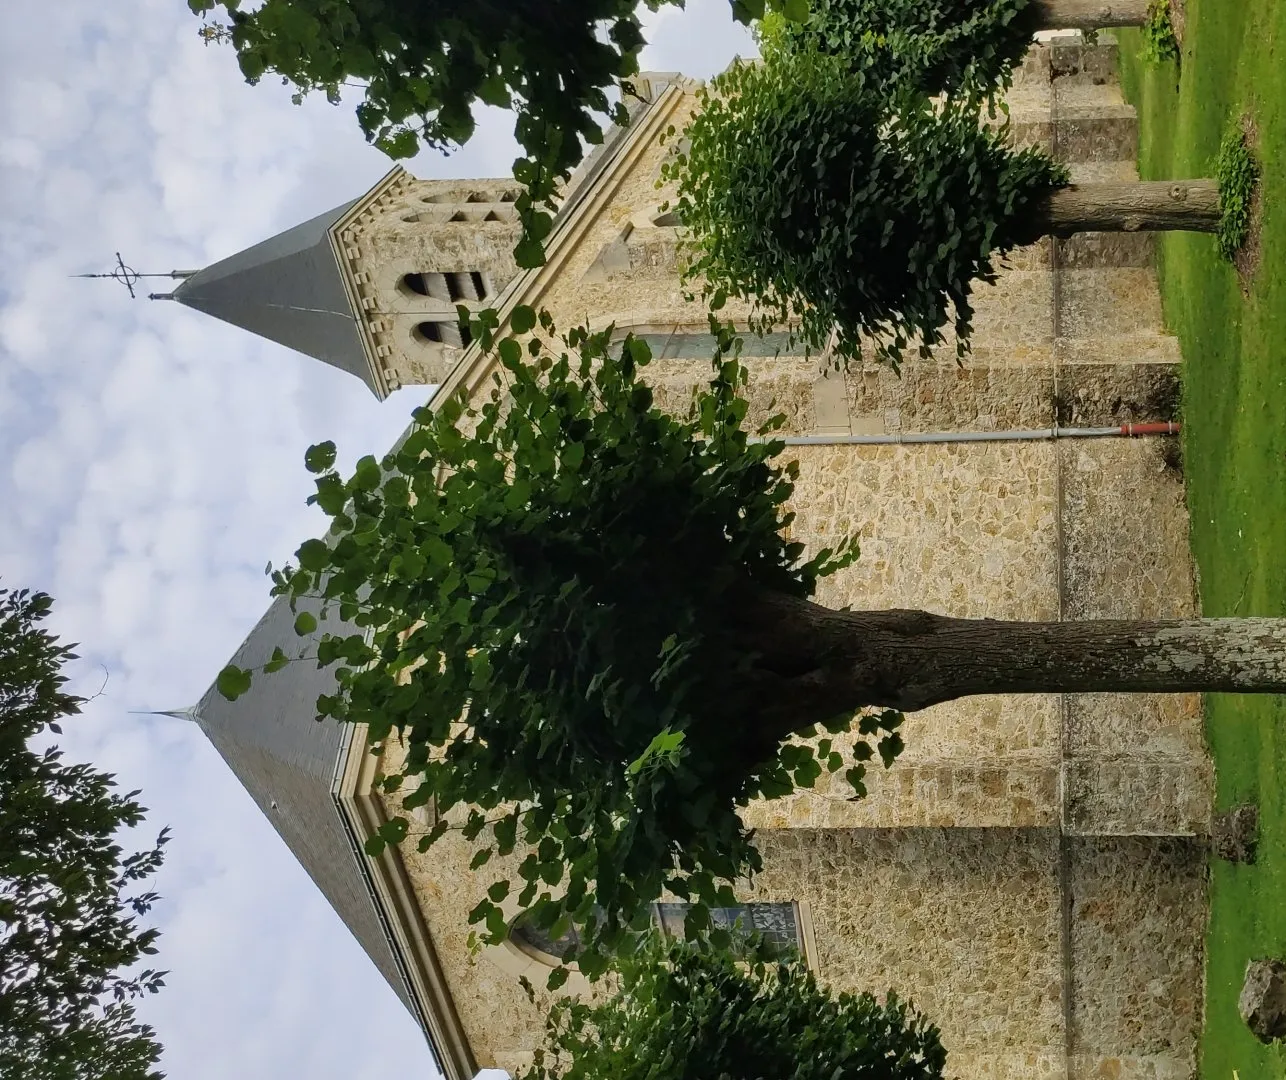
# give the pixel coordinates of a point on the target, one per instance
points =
(479, 285)
(429, 331)
(509, 196)
(668, 220)
(478, 196)
(466, 337)
(459, 215)
(492, 216)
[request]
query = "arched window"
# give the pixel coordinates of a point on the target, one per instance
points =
(443, 333)
(537, 943)
(451, 286)
(669, 220)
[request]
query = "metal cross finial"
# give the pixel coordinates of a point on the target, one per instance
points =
(128, 277)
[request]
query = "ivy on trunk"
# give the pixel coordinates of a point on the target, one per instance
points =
(584, 619)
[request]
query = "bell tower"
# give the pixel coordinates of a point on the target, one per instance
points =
(372, 287)
(415, 250)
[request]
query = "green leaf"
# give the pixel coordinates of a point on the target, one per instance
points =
(278, 661)
(522, 319)
(313, 555)
(232, 682)
(367, 475)
(320, 457)
(529, 253)
(305, 623)
(510, 353)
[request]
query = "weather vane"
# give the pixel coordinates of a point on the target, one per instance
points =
(129, 277)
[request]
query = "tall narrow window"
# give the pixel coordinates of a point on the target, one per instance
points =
(777, 923)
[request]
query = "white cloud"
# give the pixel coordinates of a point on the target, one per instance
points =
(151, 463)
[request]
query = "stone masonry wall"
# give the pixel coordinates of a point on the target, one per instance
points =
(1032, 870)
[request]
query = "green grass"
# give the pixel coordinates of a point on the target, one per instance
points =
(1234, 348)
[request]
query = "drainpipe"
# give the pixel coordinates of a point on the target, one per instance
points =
(1035, 434)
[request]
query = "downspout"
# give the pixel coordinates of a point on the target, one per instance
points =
(1022, 435)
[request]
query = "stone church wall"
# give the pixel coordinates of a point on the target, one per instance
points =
(1032, 870)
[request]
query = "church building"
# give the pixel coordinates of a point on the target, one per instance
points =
(1032, 871)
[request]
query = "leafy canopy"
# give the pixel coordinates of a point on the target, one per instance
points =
(827, 202)
(936, 46)
(422, 65)
(681, 1011)
(545, 581)
(69, 935)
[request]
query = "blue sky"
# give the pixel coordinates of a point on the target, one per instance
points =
(151, 464)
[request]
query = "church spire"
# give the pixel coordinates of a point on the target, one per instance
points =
(192, 713)
(289, 289)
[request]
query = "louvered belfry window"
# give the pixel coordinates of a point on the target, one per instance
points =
(456, 286)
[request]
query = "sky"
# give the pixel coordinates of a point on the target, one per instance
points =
(151, 463)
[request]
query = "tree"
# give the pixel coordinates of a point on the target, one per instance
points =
(835, 203)
(67, 941)
(422, 65)
(580, 616)
(943, 45)
(681, 1011)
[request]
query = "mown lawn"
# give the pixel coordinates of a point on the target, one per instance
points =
(1234, 348)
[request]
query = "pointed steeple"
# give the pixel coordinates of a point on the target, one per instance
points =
(289, 289)
(190, 713)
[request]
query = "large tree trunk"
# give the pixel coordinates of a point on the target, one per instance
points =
(1087, 14)
(1153, 205)
(814, 663)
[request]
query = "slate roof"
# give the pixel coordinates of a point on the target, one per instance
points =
(287, 289)
(287, 760)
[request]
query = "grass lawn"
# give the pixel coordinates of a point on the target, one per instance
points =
(1234, 349)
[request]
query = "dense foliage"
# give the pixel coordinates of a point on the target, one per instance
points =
(546, 582)
(1160, 45)
(935, 45)
(422, 65)
(831, 203)
(1237, 172)
(69, 935)
(680, 1011)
